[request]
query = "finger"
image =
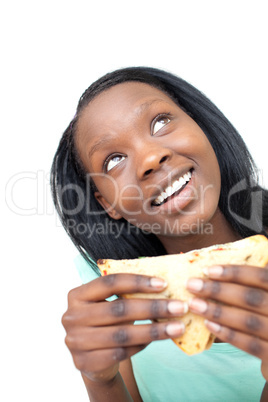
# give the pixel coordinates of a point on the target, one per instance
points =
(248, 298)
(242, 274)
(123, 310)
(116, 284)
(248, 343)
(264, 369)
(99, 360)
(235, 318)
(121, 336)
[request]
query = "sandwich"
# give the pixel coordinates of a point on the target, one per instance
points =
(178, 268)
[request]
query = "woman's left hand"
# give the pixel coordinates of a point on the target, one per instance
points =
(242, 319)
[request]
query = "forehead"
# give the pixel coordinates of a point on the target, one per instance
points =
(125, 99)
(126, 92)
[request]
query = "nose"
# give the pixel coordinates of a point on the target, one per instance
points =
(152, 161)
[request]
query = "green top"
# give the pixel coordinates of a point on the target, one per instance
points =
(164, 373)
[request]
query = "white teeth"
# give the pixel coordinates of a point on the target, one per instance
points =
(176, 185)
(160, 198)
(182, 181)
(169, 191)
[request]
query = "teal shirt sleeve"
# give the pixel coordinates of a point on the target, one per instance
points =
(85, 269)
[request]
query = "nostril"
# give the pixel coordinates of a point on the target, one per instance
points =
(148, 172)
(163, 159)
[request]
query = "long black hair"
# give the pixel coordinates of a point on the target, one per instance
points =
(243, 201)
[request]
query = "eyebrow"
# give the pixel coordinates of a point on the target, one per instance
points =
(144, 106)
(97, 145)
(104, 141)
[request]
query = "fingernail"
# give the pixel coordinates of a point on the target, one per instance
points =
(175, 329)
(213, 326)
(158, 283)
(177, 307)
(195, 285)
(215, 271)
(198, 305)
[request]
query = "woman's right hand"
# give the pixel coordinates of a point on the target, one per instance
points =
(100, 334)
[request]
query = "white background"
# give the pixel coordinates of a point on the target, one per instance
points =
(50, 52)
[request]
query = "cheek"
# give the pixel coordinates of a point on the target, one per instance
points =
(107, 186)
(126, 199)
(208, 172)
(211, 187)
(197, 147)
(206, 155)
(212, 178)
(129, 201)
(213, 170)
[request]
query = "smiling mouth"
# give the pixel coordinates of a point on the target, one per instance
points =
(173, 190)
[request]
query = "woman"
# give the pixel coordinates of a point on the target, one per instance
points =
(137, 133)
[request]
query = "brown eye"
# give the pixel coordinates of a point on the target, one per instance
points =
(159, 122)
(113, 161)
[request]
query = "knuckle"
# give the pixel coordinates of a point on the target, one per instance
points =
(80, 361)
(217, 311)
(254, 297)
(109, 280)
(120, 354)
(71, 341)
(72, 317)
(65, 319)
(263, 274)
(234, 271)
(255, 347)
(215, 288)
(230, 336)
(155, 308)
(212, 288)
(141, 280)
(253, 323)
(72, 295)
(121, 336)
(154, 332)
(118, 308)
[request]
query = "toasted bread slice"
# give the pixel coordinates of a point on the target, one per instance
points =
(176, 269)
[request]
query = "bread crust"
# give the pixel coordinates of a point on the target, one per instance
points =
(178, 268)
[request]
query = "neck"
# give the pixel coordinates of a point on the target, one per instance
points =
(218, 231)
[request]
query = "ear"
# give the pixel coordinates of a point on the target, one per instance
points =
(106, 206)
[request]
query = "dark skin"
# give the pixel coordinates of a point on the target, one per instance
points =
(136, 141)
(243, 319)
(100, 334)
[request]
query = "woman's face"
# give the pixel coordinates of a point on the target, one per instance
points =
(152, 164)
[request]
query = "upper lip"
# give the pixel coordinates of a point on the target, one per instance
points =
(167, 181)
